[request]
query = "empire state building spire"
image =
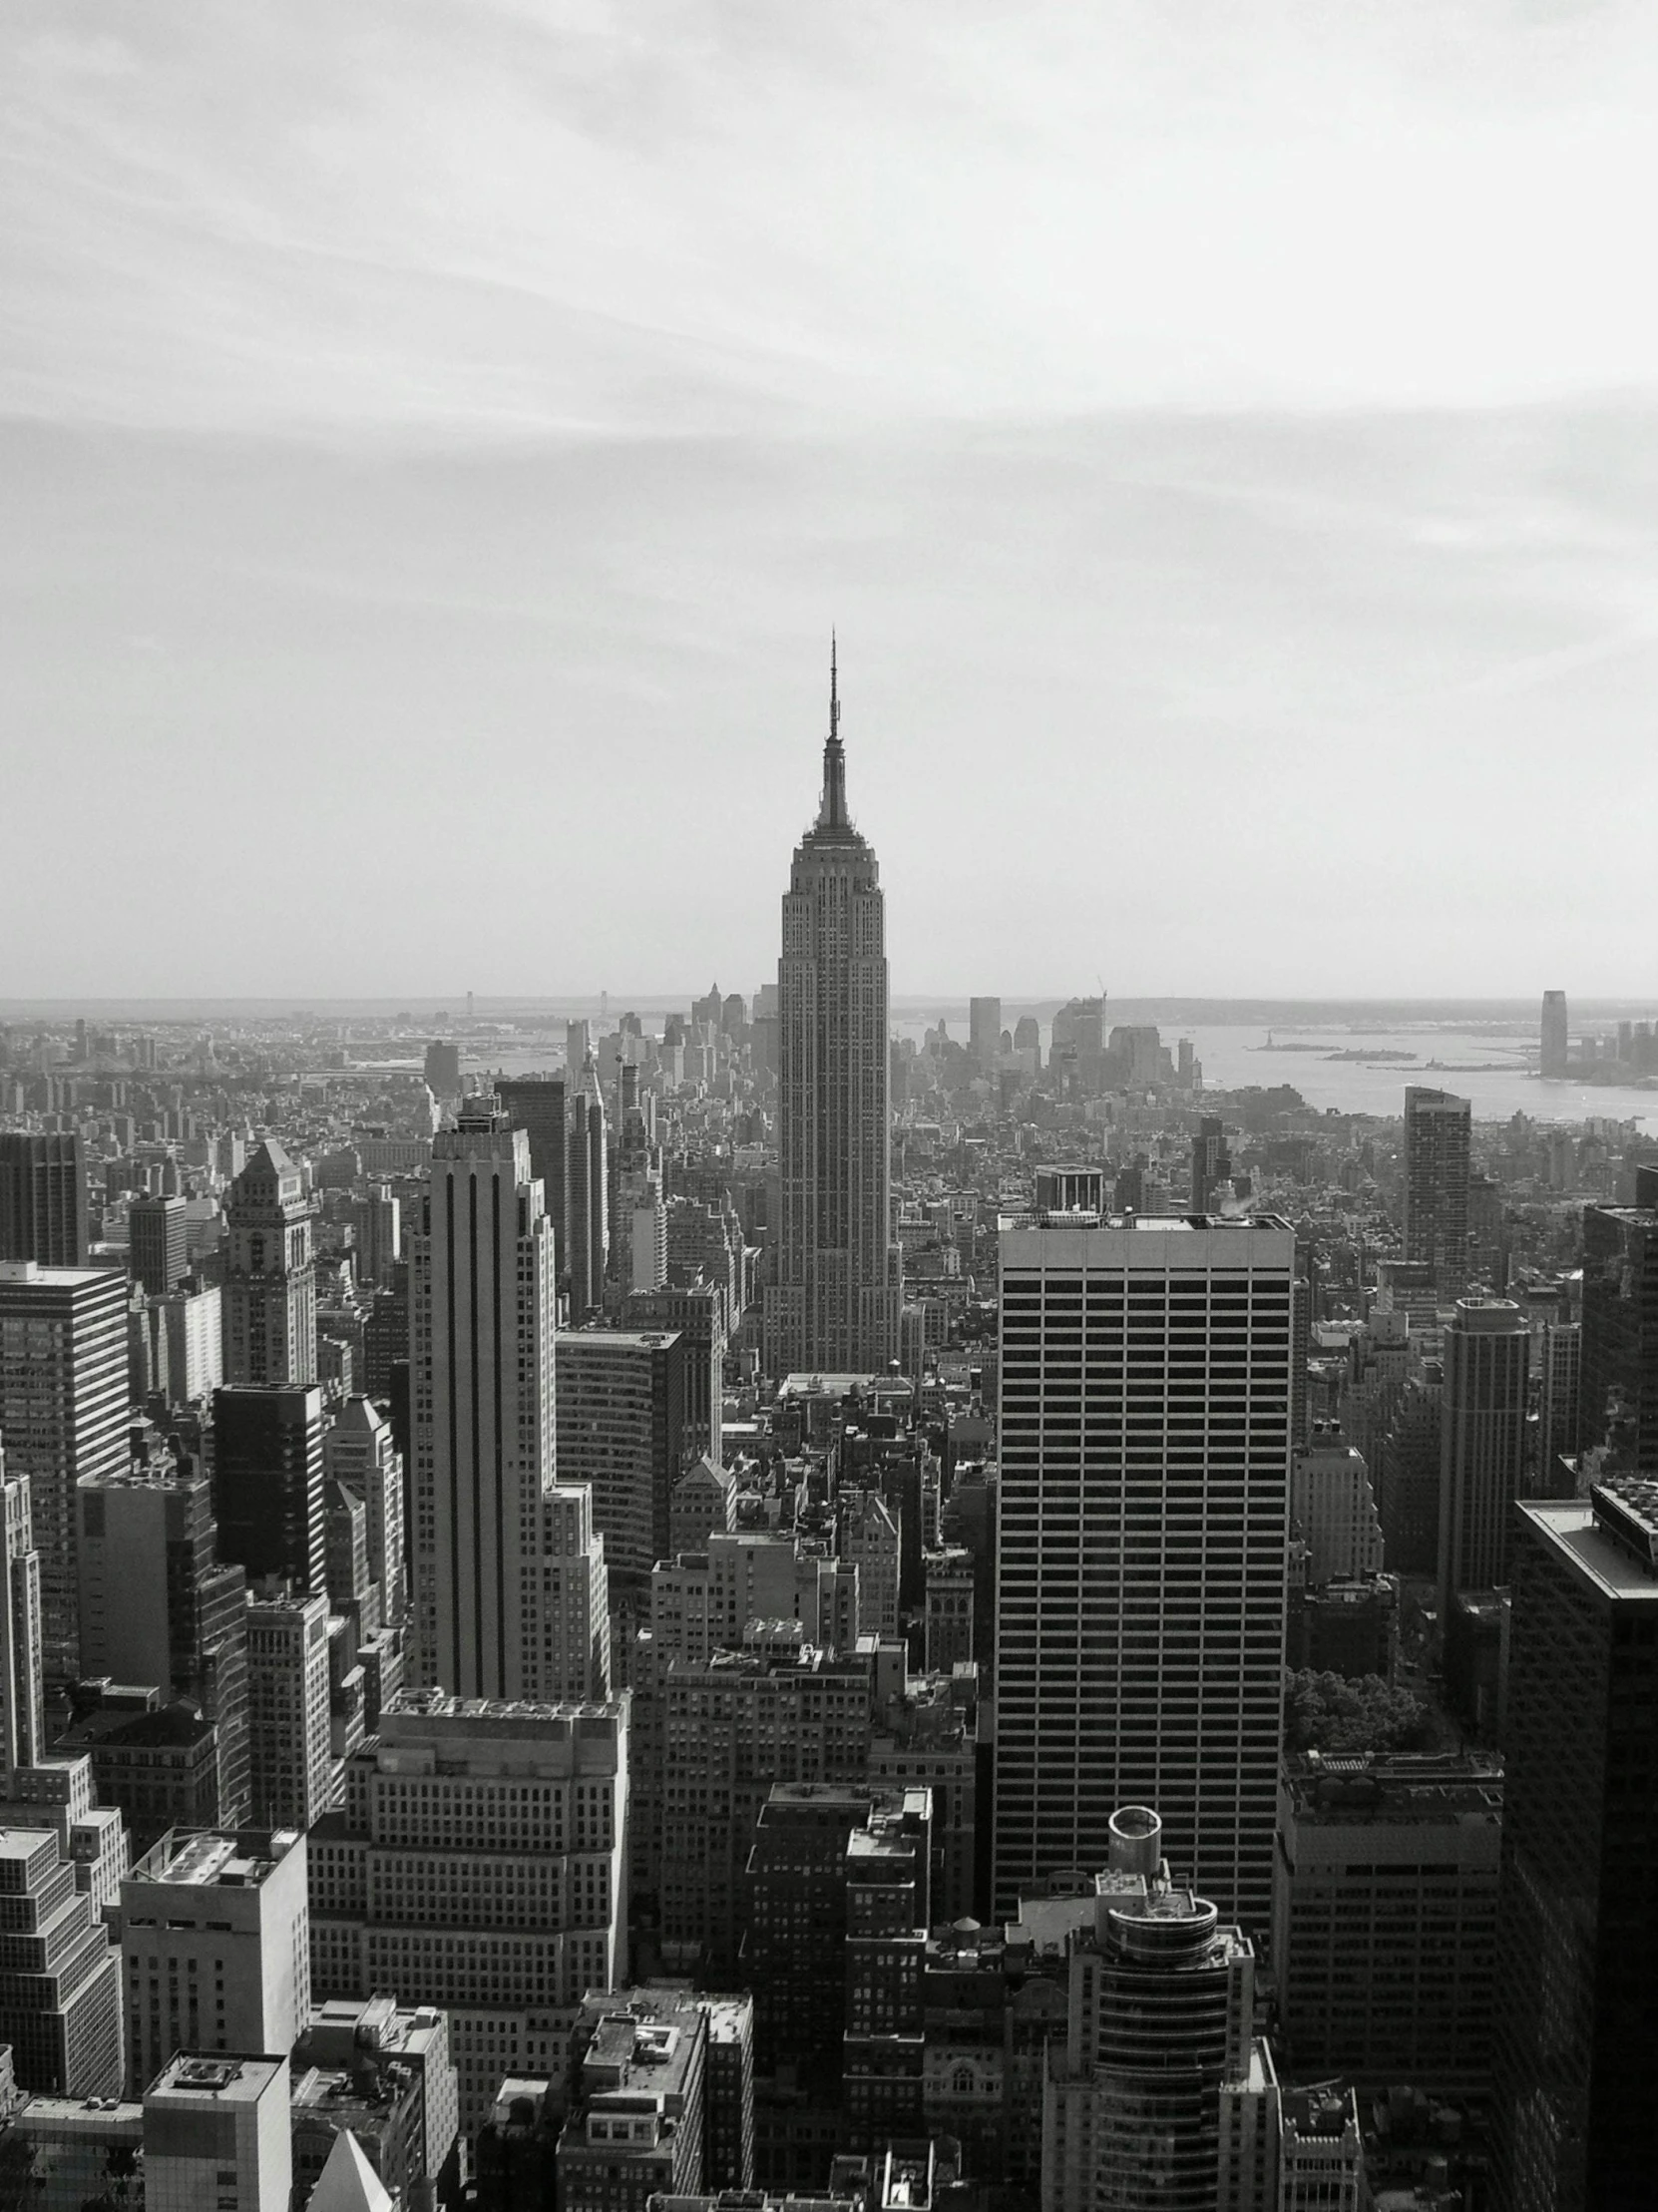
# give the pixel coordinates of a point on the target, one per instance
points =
(831, 814)
(834, 1307)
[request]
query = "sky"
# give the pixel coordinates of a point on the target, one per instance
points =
(437, 440)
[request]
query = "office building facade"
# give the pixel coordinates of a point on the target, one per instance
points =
(60, 1977)
(536, 1105)
(215, 1946)
(1574, 2120)
(1618, 1370)
(63, 1414)
(1487, 1351)
(1438, 1128)
(292, 1779)
(269, 1481)
(479, 1865)
(158, 1234)
(621, 1426)
(158, 1608)
(1143, 1532)
(483, 1290)
(43, 1199)
(1384, 1918)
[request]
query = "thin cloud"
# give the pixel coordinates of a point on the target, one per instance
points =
(417, 216)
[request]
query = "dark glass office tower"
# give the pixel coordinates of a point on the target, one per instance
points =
(1618, 1370)
(267, 1482)
(536, 1106)
(43, 1199)
(1576, 2120)
(1437, 1133)
(158, 1231)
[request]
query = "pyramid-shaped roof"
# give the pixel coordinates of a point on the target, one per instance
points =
(269, 1159)
(360, 1417)
(348, 2183)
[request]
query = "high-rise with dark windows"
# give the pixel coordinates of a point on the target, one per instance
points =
(1576, 2122)
(158, 1231)
(536, 1105)
(1436, 1171)
(1487, 1353)
(267, 1482)
(1142, 1541)
(43, 1197)
(1618, 1361)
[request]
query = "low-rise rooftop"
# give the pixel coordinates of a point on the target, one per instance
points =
(208, 1855)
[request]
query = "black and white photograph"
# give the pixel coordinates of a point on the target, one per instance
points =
(828, 1106)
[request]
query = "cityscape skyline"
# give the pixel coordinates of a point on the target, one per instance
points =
(786, 1594)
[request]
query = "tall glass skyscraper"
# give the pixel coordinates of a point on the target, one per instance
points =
(1437, 1128)
(835, 1305)
(1574, 2120)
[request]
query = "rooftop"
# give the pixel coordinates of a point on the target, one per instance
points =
(1168, 1224)
(208, 1856)
(1402, 1788)
(1324, 2109)
(1609, 1562)
(225, 2079)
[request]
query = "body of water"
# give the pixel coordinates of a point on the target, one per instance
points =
(1488, 1056)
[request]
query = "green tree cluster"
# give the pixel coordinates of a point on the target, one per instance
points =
(1328, 1712)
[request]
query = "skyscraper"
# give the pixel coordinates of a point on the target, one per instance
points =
(1437, 1131)
(1618, 1368)
(1487, 1349)
(493, 1886)
(379, 1227)
(269, 1274)
(1162, 2002)
(43, 1199)
(1212, 1162)
(621, 1429)
(1575, 2123)
(1555, 1046)
(290, 1771)
(63, 1414)
(359, 1451)
(158, 1232)
(1143, 1542)
(985, 1031)
(157, 1608)
(587, 1193)
(497, 1561)
(835, 1304)
(268, 1481)
(536, 1105)
(21, 1743)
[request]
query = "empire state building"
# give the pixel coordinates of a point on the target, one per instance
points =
(835, 1305)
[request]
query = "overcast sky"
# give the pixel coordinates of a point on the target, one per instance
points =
(436, 440)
